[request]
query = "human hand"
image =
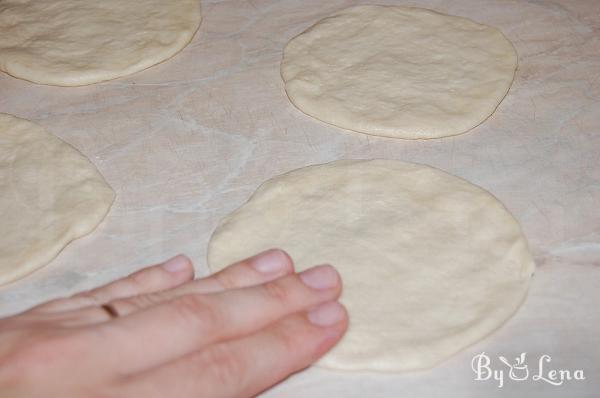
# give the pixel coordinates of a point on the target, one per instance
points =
(158, 333)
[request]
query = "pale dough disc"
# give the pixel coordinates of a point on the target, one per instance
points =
(399, 71)
(430, 263)
(77, 42)
(50, 194)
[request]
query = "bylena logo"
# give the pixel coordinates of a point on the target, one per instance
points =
(519, 370)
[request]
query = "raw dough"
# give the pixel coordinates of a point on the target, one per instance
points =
(399, 71)
(430, 262)
(50, 194)
(77, 42)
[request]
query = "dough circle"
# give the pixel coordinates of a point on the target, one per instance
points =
(78, 42)
(397, 71)
(430, 263)
(50, 194)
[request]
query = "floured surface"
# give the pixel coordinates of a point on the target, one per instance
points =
(399, 71)
(430, 263)
(50, 194)
(77, 42)
(185, 143)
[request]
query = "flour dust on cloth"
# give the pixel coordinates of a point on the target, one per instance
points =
(430, 263)
(50, 194)
(78, 42)
(399, 71)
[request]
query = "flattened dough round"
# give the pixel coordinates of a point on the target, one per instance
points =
(399, 71)
(50, 194)
(430, 263)
(78, 42)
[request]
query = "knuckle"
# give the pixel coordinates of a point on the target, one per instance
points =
(138, 280)
(149, 277)
(275, 291)
(227, 367)
(286, 340)
(133, 284)
(196, 310)
(225, 280)
(146, 300)
(128, 305)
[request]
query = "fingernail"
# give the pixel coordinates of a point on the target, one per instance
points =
(270, 261)
(327, 314)
(321, 277)
(176, 264)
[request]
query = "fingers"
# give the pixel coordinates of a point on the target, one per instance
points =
(264, 267)
(84, 309)
(169, 274)
(246, 366)
(191, 322)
